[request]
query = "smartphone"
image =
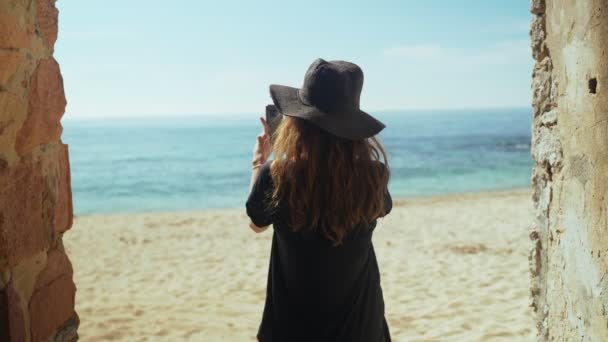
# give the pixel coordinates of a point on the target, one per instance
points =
(273, 119)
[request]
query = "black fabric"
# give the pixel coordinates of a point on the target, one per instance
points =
(329, 98)
(315, 291)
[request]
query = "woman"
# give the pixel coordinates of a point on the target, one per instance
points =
(322, 194)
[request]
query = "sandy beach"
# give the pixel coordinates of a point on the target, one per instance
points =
(454, 268)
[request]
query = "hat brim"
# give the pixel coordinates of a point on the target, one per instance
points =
(354, 125)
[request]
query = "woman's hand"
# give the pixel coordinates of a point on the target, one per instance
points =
(257, 229)
(262, 148)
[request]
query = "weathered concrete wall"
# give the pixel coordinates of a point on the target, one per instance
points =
(569, 259)
(36, 287)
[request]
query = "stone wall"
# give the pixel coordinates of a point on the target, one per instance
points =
(36, 287)
(569, 257)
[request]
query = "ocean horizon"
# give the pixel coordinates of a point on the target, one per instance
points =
(191, 163)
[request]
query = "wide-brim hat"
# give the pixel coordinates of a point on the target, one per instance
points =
(329, 99)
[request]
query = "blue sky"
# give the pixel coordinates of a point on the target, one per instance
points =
(194, 57)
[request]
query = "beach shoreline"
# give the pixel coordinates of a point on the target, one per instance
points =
(397, 201)
(454, 267)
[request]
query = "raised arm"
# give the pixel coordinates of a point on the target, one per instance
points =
(261, 152)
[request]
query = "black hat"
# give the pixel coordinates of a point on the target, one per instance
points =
(329, 98)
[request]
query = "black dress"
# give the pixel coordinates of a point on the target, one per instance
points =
(315, 291)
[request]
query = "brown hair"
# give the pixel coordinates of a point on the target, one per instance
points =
(329, 183)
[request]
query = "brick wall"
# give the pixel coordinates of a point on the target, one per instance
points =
(36, 287)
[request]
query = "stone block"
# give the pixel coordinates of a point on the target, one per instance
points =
(53, 300)
(12, 113)
(46, 21)
(546, 148)
(549, 118)
(537, 7)
(57, 265)
(46, 107)
(12, 108)
(57, 195)
(542, 87)
(9, 63)
(63, 209)
(537, 38)
(12, 34)
(21, 211)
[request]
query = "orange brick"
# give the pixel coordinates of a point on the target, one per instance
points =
(12, 35)
(46, 107)
(9, 62)
(63, 217)
(52, 302)
(46, 20)
(21, 216)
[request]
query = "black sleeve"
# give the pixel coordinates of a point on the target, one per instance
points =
(388, 201)
(259, 199)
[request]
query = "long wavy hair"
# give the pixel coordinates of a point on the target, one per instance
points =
(329, 183)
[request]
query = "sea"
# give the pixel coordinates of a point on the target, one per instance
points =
(124, 165)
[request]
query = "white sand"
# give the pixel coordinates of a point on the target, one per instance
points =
(454, 268)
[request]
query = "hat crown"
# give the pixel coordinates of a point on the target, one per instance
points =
(332, 86)
(329, 99)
